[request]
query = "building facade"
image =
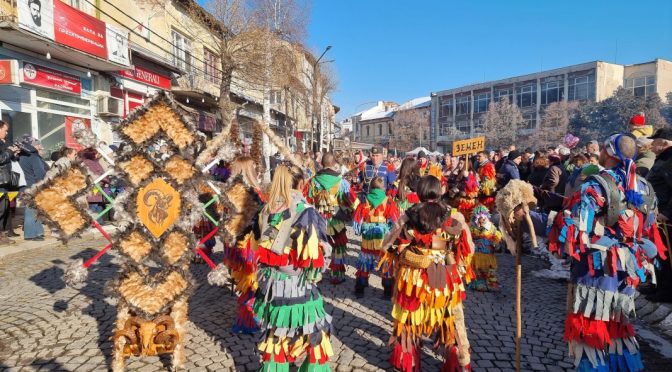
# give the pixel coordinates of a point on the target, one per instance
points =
(411, 127)
(458, 113)
(374, 125)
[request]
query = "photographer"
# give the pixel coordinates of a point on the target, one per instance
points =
(35, 169)
(7, 153)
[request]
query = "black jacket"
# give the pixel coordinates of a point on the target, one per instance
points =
(34, 168)
(6, 157)
(660, 178)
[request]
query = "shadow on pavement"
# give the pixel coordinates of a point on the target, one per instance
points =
(44, 365)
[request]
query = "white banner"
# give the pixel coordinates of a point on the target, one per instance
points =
(117, 46)
(37, 16)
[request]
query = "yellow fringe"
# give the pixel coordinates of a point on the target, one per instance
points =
(484, 261)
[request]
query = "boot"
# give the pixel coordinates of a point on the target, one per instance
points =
(360, 284)
(387, 288)
(4, 240)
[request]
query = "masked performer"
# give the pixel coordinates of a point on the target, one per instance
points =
(487, 180)
(486, 237)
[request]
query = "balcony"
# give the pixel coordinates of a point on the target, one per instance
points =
(192, 83)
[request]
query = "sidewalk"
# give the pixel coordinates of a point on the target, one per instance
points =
(49, 239)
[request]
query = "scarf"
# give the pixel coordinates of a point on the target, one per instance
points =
(327, 179)
(376, 197)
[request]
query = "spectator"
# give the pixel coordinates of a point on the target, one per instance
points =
(574, 179)
(525, 166)
(593, 147)
(645, 157)
(7, 154)
(539, 170)
(509, 169)
(556, 177)
(660, 178)
(35, 169)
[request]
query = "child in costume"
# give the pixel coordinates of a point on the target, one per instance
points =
(334, 199)
(404, 190)
(467, 196)
(487, 176)
(291, 245)
(486, 237)
(240, 258)
(432, 251)
(373, 219)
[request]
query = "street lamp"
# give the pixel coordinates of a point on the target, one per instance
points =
(312, 126)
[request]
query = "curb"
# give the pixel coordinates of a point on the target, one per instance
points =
(24, 246)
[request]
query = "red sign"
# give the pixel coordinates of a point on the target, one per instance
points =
(74, 125)
(7, 71)
(147, 77)
(51, 79)
(79, 30)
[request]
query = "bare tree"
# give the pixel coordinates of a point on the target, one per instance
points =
(554, 123)
(501, 122)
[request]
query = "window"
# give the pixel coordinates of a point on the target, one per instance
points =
(368, 132)
(182, 57)
(641, 86)
(276, 97)
(551, 91)
(481, 102)
(529, 122)
(463, 105)
(380, 129)
(444, 126)
(526, 96)
(582, 88)
(211, 62)
(479, 124)
(501, 93)
(463, 126)
(446, 108)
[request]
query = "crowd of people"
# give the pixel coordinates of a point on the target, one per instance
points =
(429, 229)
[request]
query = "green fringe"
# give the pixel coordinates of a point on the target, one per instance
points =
(291, 316)
(314, 367)
(272, 366)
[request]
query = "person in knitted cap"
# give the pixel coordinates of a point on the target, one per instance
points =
(638, 127)
(608, 231)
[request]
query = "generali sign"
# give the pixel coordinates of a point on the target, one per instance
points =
(148, 77)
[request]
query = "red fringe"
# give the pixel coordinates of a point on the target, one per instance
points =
(271, 259)
(593, 333)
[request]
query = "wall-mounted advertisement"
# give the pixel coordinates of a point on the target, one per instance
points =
(79, 30)
(117, 46)
(72, 126)
(37, 16)
(51, 79)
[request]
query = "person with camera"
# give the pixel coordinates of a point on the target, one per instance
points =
(35, 169)
(8, 181)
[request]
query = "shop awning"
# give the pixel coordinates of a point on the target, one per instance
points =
(11, 35)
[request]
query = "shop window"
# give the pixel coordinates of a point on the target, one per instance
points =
(641, 86)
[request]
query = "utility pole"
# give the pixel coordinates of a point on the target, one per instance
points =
(316, 74)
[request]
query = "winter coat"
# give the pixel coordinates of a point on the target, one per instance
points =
(555, 179)
(508, 172)
(537, 176)
(645, 161)
(6, 157)
(525, 169)
(660, 178)
(32, 164)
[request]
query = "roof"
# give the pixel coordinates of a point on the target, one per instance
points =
(376, 112)
(415, 103)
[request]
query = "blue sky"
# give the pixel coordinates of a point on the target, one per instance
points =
(398, 50)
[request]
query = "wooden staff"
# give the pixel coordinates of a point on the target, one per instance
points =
(519, 273)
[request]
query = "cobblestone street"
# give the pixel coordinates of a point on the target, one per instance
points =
(45, 325)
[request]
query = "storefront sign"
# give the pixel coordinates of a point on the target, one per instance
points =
(79, 30)
(37, 16)
(51, 79)
(73, 125)
(468, 146)
(117, 46)
(9, 71)
(147, 77)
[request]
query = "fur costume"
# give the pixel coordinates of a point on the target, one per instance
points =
(157, 211)
(293, 251)
(335, 199)
(486, 237)
(431, 270)
(373, 219)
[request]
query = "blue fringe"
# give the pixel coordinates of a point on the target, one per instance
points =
(634, 198)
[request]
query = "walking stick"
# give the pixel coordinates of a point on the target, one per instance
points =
(519, 273)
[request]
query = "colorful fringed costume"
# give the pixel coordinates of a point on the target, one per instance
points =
(431, 272)
(611, 236)
(241, 260)
(466, 200)
(373, 219)
(486, 237)
(488, 184)
(334, 199)
(292, 250)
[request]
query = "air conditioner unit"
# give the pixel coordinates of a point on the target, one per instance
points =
(110, 106)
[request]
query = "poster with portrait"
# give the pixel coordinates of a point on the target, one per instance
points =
(37, 16)
(72, 125)
(117, 46)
